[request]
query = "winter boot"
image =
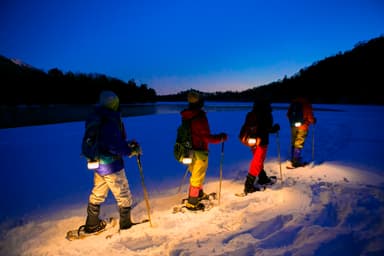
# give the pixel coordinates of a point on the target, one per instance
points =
(202, 195)
(249, 184)
(263, 179)
(93, 223)
(125, 217)
(193, 204)
(297, 160)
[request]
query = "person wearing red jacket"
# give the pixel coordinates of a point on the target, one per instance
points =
(201, 137)
(299, 128)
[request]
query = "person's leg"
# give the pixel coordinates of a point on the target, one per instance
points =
(293, 139)
(97, 197)
(298, 146)
(198, 170)
(263, 178)
(256, 166)
(100, 190)
(119, 186)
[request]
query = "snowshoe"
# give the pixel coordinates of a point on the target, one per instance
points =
(94, 229)
(204, 203)
(269, 181)
(294, 165)
(210, 196)
(193, 207)
(81, 233)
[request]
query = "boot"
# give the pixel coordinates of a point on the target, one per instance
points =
(202, 195)
(297, 160)
(263, 179)
(93, 223)
(248, 186)
(125, 217)
(194, 204)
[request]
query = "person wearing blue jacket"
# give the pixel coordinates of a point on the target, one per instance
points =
(110, 174)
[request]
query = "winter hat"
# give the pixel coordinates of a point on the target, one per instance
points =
(193, 97)
(109, 100)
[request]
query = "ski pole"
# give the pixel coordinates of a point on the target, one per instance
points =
(221, 168)
(144, 189)
(183, 180)
(313, 144)
(278, 154)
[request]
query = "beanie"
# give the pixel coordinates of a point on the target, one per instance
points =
(193, 97)
(109, 100)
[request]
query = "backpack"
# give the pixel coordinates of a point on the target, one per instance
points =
(182, 149)
(90, 143)
(247, 136)
(296, 117)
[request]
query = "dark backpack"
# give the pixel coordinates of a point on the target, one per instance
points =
(296, 117)
(247, 135)
(90, 142)
(247, 132)
(182, 148)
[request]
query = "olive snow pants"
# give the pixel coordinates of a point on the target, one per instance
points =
(298, 137)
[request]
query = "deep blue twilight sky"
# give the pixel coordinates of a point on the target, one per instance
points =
(171, 46)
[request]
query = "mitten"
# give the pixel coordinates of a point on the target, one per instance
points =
(135, 148)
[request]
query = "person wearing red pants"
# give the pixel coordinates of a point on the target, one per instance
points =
(254, 133)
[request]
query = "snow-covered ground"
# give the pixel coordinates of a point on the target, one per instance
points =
(333, 207)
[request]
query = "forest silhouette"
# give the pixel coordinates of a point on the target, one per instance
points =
(37, 97)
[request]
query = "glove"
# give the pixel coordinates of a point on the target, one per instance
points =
(314, 120)
(275, 128)
(223, 136)
(135, 148)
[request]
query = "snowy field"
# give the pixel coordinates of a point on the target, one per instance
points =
(332, 207)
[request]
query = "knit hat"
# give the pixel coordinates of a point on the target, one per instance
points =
(193, 97)
(109, 100)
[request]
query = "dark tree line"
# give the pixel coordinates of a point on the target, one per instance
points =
(352, 77)
(27, 85)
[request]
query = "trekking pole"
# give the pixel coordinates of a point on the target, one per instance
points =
(183, 180)
(313, 144)
(278, 154)
(221, 168)
(144, 189)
